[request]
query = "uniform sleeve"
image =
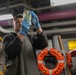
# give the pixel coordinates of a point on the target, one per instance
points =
(40, 41)
(12, 46)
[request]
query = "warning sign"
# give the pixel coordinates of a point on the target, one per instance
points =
(72, 44)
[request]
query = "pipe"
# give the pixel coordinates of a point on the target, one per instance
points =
(57, 15)
(28, 7)
(17, 5)
(5, 30)
(51, 15)
(31, 8)
(6, 23)
(64, 23)
(56, 31)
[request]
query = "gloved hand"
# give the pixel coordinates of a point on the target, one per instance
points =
(35, 19)
(25, 26)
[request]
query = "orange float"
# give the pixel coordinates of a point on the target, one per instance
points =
(59, 67)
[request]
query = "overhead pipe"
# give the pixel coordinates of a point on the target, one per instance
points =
(64, 23)
(51, 16)
(27, 7)
(6, 31)
(17, 5)
(6, 23)
(57, 15)
(53, 31)
(47, 16)
(31, 8)
(56, 31)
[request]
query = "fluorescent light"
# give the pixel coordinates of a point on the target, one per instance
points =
(6, 17)
(61, 2)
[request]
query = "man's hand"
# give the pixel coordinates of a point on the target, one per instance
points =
(25, 26)
(35, 19)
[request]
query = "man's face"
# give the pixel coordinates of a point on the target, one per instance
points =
(18, 24)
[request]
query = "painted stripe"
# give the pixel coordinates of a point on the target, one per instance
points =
(48, 49)
(60, 61)
(50, 72)
(40, 61)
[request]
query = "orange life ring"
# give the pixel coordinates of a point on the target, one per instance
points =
(60, 65)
